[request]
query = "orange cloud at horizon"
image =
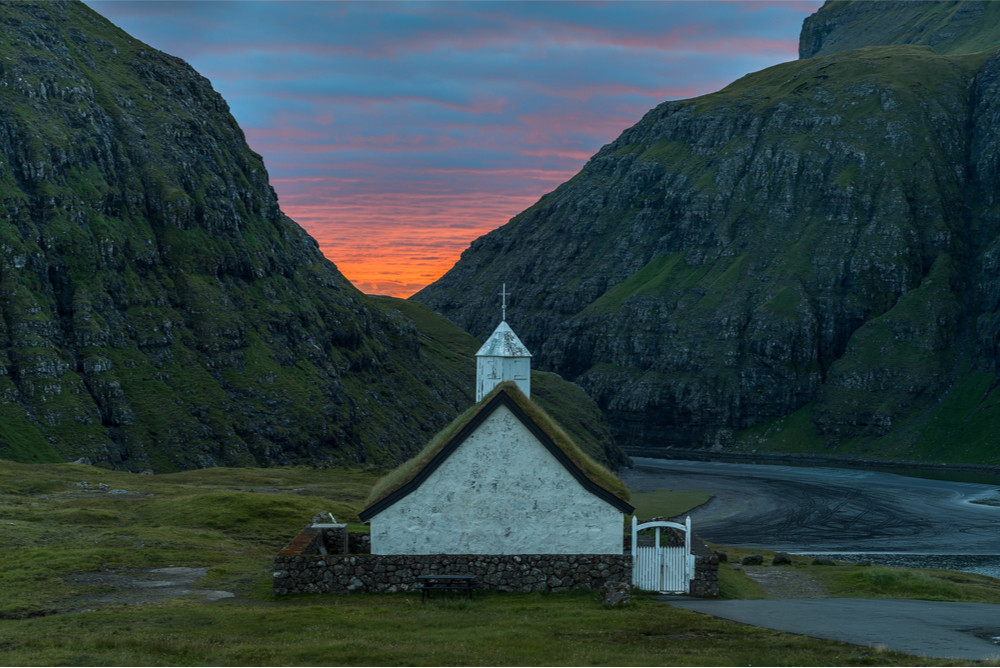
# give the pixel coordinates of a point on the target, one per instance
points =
(397, 243)
(397, 133)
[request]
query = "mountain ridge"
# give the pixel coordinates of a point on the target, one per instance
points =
(160, 311)
(953, 28)
(804, 260)
(142, 244)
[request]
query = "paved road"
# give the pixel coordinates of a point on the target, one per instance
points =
(934, 629)
(803, 509)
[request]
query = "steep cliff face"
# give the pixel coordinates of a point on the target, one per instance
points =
(946, 27)
(159, 311)
(805, 260)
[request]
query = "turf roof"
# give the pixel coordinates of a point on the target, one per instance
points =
(593, 476)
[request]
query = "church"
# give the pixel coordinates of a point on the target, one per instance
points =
(500, 499)
(502, 479)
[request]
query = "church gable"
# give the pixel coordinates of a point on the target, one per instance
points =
(594, 478)
(500, 485)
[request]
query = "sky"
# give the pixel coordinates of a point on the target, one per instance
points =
(396, 133)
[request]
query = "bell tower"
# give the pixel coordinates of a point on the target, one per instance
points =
(502, 357)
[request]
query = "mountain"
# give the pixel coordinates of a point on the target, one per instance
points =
(159, 311)
(947, 27)
(807, 260)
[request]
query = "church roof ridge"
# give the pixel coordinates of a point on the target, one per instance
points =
(593, 476)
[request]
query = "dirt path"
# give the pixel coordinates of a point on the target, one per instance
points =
(785, 582)
(138, 587)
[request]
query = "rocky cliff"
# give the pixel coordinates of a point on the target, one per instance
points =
(806, 260)
(159, 311)
(946, 27)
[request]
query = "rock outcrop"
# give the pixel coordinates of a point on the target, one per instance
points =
(159, 311)
(945, 27)
(806, 260)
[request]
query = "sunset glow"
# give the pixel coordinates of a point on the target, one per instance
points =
(397, 133)
(407, 241)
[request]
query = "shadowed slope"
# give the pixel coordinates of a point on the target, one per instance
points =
(804, 260)
(159, 310)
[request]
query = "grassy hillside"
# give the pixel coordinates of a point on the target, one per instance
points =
(803, 261)
(960, 428)
(947, 27)
(67, 547)
(160, 312)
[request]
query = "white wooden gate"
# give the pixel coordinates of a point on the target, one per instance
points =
(662, 568)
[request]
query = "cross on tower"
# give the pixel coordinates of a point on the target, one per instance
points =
(503, 293)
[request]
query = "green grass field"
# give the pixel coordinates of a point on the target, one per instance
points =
(233, 521)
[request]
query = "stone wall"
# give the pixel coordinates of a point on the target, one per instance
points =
(344, 573)
(306, 565)
(706, 570)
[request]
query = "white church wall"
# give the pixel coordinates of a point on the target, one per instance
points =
(500, 492)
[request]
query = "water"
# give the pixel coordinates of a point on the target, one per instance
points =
(944, 520)
(983, 564)
(985, 475)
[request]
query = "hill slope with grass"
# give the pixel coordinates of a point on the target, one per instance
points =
(806, 260)
(452, 352)
(954, 28)
(159, 310)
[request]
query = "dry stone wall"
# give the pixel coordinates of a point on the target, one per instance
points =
(706, 571)
(306, 565)
(344, 573)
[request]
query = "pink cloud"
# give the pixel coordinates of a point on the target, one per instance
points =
(397, 133)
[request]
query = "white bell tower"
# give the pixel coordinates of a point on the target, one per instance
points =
(502, 357)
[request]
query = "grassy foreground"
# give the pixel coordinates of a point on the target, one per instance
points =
(494, 629)
(233, 521)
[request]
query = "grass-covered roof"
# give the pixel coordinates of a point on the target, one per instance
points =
(411, 473)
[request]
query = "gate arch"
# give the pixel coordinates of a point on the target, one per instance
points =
(666, 569)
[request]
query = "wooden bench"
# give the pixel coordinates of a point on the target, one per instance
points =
(461, 582)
